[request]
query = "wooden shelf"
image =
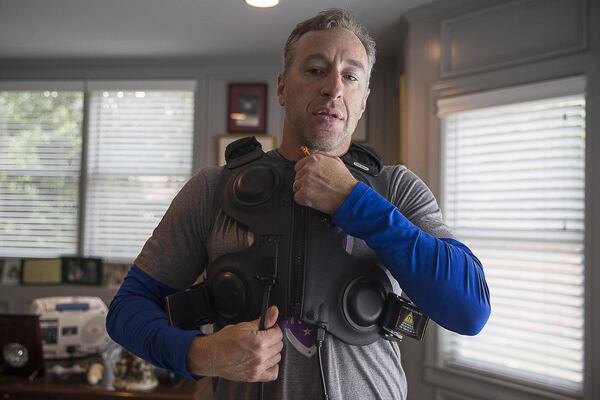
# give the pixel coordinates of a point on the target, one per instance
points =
(40, 389)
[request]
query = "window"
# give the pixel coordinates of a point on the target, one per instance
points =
(40, 159)
(137, 147)
(140, 155)
(513, 190)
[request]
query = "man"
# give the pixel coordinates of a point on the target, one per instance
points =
(324, 89)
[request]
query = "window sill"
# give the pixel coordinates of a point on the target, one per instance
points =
(485, 385)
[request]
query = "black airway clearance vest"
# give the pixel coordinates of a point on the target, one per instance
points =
(297, 261)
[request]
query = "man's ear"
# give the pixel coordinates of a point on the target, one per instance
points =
(281, 89)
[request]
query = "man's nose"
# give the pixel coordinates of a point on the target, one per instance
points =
(332, 86)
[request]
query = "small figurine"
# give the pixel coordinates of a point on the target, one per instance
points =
(133, 373)
(94, 373)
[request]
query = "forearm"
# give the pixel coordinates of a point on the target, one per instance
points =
(441, 276)
(137, 321)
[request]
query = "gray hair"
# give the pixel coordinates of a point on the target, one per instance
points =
(329, 19)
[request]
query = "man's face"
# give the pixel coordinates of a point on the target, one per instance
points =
(324, 90)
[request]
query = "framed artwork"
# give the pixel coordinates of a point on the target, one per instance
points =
(42, 271)
(266, 141)
(81, 271)
(247, 111)
(11, 271)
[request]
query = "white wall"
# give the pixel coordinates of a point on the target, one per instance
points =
(457, 47)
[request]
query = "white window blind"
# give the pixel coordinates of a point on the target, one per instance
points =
(40, 158)
(513, 191)
(140, 155)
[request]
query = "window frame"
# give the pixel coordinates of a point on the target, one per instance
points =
(86, 86)
(472, 382)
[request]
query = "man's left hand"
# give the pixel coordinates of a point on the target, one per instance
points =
(322, 182)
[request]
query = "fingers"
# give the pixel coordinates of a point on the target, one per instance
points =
(301, 198)
(312, 158)
(267, 365)
(240, 352)
(318, 165)
(262, 364)
(270, 336)
(265, 375)
(322, 182)
(269, 369)
(271, 316)
(270, 321)
(306, 170)
(271, 373)
(273, 349)
(272, 333)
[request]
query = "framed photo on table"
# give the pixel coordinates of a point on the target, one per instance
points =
(247, 106)
(81, 271)
(10, 273)
(266, 141)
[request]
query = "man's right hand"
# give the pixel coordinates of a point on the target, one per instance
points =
(239, 352)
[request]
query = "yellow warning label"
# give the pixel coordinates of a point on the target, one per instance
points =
(409, 319)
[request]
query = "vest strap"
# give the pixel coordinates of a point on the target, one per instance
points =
(190, 308)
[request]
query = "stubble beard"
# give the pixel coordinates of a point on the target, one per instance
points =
(324, 141)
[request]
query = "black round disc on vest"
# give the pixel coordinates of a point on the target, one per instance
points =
(363, 302)
(231, 296)
(254, 185)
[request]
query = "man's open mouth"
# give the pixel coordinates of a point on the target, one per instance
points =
(328, 113)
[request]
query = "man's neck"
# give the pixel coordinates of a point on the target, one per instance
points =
(289, 150)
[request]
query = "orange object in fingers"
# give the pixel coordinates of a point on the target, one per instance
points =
(304, 151)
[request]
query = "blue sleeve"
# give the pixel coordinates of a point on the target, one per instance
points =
(441, 276)
(137, 321)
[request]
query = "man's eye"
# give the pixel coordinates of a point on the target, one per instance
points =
(315, 71)
(351, 77)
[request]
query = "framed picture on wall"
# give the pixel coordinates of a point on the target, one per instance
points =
(11, 271)
(41, 271)
(266, 141)
(247, 108)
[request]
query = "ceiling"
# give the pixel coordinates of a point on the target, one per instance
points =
(182, 29)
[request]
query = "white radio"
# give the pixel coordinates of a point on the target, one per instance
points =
(71, 326)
